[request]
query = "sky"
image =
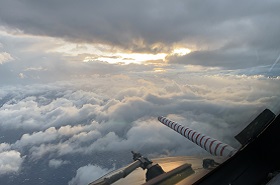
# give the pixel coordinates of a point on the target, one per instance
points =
(82, 83)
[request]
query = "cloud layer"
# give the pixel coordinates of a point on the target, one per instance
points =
(232, 34)
(138, 24)
(62, 123)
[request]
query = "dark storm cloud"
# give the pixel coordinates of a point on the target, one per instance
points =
(139, 25)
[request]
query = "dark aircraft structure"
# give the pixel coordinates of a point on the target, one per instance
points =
(256, 162)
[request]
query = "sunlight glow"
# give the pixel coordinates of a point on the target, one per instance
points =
(87, 52)
(127, 58)
(181, 51)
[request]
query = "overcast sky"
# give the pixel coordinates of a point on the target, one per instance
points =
(89, 78)
(44, 38)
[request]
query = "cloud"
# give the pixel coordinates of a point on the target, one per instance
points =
(27, 113)
(37, 137)
(76, 143)
(227, 58)
(229, 41)
(39, 60)
(90, 120)
(10, 162)
(150, 26)
(108, 116)
(56, 163)
(94, 115)
(87, 174)
(5, 57)
(4, 147)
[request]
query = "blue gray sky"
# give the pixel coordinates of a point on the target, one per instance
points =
(82, 83)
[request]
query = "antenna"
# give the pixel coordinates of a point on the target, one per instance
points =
(211, 145)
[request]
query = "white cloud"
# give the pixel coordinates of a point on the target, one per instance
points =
(98, 118)
(10, 162)
(38, 137)
(4, 147)
(29, 114)
(113, 114)
(87, 174)
(56, 163)
(22, 75)
(5, 57)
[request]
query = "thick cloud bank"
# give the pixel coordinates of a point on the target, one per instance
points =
(144, 25)
(231, 34)
(65, 126)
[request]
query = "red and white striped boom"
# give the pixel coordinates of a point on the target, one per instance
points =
(213, 146)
